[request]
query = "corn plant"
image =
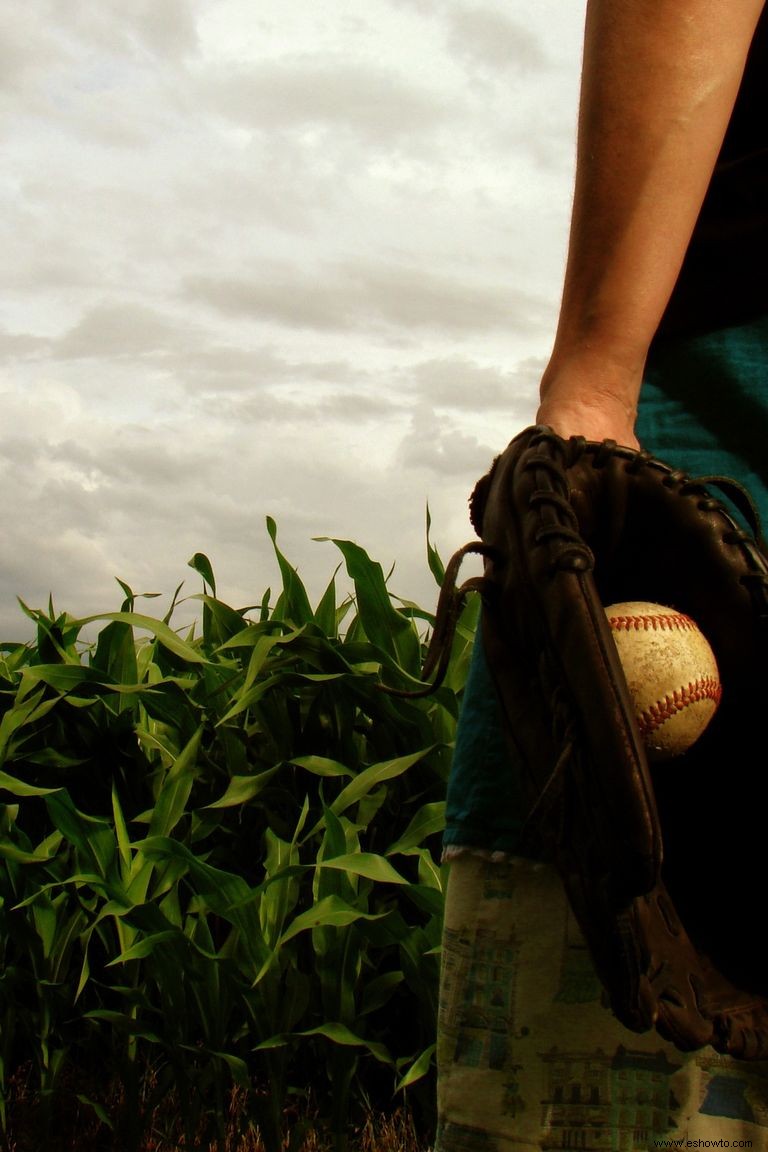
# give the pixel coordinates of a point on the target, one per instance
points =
(219, 858)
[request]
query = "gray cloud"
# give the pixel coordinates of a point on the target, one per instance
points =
(57, 55)
(29, 47)
(119, 329)
(267, 406)
(435, 444)
(459, 383)
(167, 30)
(355, 295)
(19, 345)
(486, 38)
(330, 92)
(232, 369)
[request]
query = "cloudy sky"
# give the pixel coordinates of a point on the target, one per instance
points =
(268, 257)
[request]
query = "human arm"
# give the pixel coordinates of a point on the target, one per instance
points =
(659, 81)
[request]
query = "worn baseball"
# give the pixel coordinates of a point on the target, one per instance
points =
(671, 673)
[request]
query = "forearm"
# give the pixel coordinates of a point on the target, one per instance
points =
(659, 81)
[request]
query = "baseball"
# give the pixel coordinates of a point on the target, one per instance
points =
(671, 673)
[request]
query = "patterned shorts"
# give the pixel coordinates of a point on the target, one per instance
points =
(530, 1058)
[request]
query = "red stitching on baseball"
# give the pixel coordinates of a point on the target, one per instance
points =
(658, 622)
(707, 688)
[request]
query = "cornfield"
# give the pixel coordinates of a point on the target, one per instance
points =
(220, 889)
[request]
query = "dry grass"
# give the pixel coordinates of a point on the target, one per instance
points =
(380, 1132)
(75, 1127)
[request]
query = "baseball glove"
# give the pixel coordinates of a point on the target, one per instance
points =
(663, 864)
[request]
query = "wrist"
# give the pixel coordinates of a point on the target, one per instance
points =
(594, 380)
(591, 398)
